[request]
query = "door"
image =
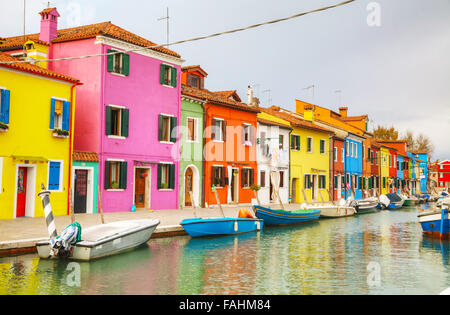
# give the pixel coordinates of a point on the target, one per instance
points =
(21, 192)
(234, 185)
(139, 196)
(313, 188)
(339, 187)
(188, 184)
(294, 190)
(80, 195)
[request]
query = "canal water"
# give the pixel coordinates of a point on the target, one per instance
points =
(376, 253)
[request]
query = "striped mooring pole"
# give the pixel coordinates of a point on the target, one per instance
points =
(49, 219)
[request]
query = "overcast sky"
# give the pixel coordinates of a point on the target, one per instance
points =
(398, 73)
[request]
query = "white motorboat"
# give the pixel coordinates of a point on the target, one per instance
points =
(366, 204)
(106, 240)
(331, 210)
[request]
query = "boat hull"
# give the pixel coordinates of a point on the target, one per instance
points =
(281, 217)
(366, 205)
(435, 223)
(218, 227)
(123, 240)
(337, 212)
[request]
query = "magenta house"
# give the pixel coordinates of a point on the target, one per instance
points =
(126, 109)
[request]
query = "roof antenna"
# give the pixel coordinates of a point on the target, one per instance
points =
(311, 87)
(168, 25)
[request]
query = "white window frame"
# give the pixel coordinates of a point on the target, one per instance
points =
(343, 155)
(61, 175)
(312, 146)
(117, 107)
(170, 128)
(220, 129)
(335, 152)
(356, 150)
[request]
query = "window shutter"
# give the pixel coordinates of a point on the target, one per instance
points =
(108, 121)
(126, 64)
(110, 61)
(173, 77)
(173, 129)
(159, 176)
(107, 175)
(54, 174)
(125, 122)
(4, 110)
(172, 176)
(252, 177)
(224, 130)
(335, 182)
(243, 174)
(161, 75)
(66, 116)
(123, 175)
(213, 176)
(213, 130)
(52, 114)
(160, 128)
(292, 142)
(223, 177)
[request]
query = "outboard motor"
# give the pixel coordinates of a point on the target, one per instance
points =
(62, 245)
(384, 202)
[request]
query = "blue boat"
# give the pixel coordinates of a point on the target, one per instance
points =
(282, 217)
(222, 226)
(435, 223)
(391, 201)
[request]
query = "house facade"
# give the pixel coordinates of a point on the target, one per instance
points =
(353, 166)
(443, 171)
(85, 182)
(36, 124)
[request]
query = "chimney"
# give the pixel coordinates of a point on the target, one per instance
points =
(308, 114)
(49, 24)
(251, 100)
(343, 111)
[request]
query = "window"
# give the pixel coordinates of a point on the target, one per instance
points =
(295, 142)
(322, 181)
(166, 127)
(247, 134)
(118, 63)
(309, 147)
(351, 150)
(281, 179)
(262, 179)
(356, 150)
(219, 127)
(307, 184)
(343, 155)
(347, 151)
(335, 154)
(281, 137)
(247, 177)
(4, 106)
(191, 129)
(168, 75)
(195, 81)
(59, 115)
(55, 174)
(218, 176)
(115, 174)
(166, 176)
(117, 121)
(322, 146)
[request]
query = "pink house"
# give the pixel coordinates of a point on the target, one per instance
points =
(126, 109)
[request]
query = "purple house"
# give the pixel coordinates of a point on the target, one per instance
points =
(126, 110)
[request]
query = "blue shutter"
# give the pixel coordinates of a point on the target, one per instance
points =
(53, 176)
(4, 110)
(52, 114)
(66, 116)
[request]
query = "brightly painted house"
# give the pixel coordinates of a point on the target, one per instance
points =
(422, 156)
(85, 182)
(127, 109)
(374, 154)
(35, 138)
(310, 156)
(353, 166)
(192, 121)
(443, 171)
(384, 169)
(414, 184)
(272, 155)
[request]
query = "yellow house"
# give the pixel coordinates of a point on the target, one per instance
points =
(35, 138)
(309, 157)
(384, 169)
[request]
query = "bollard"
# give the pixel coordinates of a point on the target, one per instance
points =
(445, 225)
(51, 227)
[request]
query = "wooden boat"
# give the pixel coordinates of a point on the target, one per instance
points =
(366, 205)
(106, 240)
(336, 211)
(435, 223)
(410, 200)
(221, 226)
(282, 217)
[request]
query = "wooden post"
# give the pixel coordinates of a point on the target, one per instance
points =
(218, 201)
(304, 195)
(100, 204)
(321, 197)
(279, 199)
(72, 214)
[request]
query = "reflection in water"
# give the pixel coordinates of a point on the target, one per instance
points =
(327, 257)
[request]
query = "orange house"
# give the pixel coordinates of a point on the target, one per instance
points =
(229, 153)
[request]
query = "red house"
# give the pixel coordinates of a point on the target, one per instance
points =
(374, 157)
(338, 167)
(443, 169)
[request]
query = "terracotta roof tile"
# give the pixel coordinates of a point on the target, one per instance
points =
(89, 31)
(83, 156)
(229, 94)
(28, 67)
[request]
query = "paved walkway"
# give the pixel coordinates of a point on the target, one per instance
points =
(21, 235)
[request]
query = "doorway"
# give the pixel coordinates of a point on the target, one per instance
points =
(25, 191)
(142, 188)
(234, 185)
(294, 190)
(313, 187)
(81, 191)
(21, 192)
(188, 187)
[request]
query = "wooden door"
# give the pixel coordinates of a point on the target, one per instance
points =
(139, 198)
(313, 188)
(21, 192)
(234, 185)
(188, 184)
(80, 194)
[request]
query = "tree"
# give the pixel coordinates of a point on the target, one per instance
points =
(419, 143)
(384, 133)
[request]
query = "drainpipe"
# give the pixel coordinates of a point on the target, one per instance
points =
(71, 131)
(203, 157)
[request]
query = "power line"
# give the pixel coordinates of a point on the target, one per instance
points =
(197, 38)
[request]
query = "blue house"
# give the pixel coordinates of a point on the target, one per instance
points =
(422, 159)
(354, 165)
(400, 175)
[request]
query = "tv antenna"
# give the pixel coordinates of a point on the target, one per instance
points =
(311, 87)
(167, 18)
(269, 100)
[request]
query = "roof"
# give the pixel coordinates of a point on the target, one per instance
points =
(419, 152)
(84, 156)
(229, 94)
(216, 99)
(273, 123)
(354, 118)
(48, 10)
(88, 31)
(295, 122)
(194, 68)
(28, 67)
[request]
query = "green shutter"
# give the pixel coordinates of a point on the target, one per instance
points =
(160, 128)
(125, 64)
(298, 143)
(159, 176)
(125, 122)
(108, 121)
(110, 61)
(173, 77)
(107, 175)
(292, 142)
(161, 74)
(173, 126)
(172, 176)
(123, 175)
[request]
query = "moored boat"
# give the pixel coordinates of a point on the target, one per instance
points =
(365, 205)
(410, 200)
(435, 223)
(391, 201)
(105, 240)
(283, 217)
(221, 226)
